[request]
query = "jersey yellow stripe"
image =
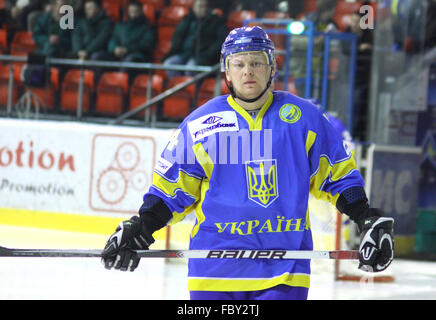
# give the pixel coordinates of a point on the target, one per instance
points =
(188, 184)
(247, 284)
(207, 164)
(336, 172)
(310, 140)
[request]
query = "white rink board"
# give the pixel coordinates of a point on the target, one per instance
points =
(71, 167)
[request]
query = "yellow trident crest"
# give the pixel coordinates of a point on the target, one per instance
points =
(262, 181)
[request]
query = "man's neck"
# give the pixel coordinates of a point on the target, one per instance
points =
(253, 105)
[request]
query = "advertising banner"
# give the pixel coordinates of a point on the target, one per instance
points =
(393, 182)
(68, 167)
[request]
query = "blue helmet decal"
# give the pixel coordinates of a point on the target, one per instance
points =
(247, 39)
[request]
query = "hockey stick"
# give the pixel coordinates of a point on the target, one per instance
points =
(191, 254)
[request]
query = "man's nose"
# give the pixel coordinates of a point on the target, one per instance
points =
(248, 68)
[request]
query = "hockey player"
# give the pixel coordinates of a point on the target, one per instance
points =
(246, 163)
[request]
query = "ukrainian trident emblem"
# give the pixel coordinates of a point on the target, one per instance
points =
(262, 181)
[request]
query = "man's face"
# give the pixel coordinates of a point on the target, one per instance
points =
(200, 8)
(55, 9)
(355, 23)
(249, 73)
(134, 11)
(91, 9)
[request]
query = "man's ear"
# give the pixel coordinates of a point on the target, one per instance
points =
(274, 68)
(228, 76)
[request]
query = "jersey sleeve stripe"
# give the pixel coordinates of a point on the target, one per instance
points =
(310, 140)
(328, 172)
(207, 164)
(188, 184)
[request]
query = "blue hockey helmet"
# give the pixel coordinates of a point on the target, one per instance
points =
(247, 39)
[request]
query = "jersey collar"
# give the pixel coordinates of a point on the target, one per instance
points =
(253, 124)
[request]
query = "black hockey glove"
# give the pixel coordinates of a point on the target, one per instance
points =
(376, 250)
(130, 235)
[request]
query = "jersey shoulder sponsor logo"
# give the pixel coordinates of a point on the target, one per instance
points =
(213, 123)
(290, 113)
(162, 165)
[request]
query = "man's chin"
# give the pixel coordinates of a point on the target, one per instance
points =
(248, 94)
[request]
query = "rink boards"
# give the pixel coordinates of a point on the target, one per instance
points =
(74, 177)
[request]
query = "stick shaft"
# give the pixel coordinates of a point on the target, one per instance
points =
(191, 254)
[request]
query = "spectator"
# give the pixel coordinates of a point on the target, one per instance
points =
(197, 39)
(50, 38)
(323, 22)
(294, 7)
(362, 74)
(223, 6)
(430, 26)
(92, 33)
(323, 18)
(134, 39)
(19, 10)
(259, 7)
(408, 25)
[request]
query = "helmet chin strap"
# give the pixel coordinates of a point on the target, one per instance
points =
(233, 93)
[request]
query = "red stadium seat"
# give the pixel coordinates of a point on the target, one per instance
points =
(164, 34)
(178, 105)
(120, 3)
(111, 92)
(149, 12)
(112, 9)
(18, 66)
(310, 6)
(186, 3)
(22, 43)
(344, 11)
(3, 41)
(70, 90)
(279, 85)
(167, 23)
(207, 90)
(218, 11)
(236, 18)
(347, 7)
(4, 86)
(138, 90)
(172, 15)
(46, 94)
(342, 20)
(157, 4)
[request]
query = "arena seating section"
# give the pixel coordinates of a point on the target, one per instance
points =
(114, 93)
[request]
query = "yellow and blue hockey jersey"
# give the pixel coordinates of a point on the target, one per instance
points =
(248, 181)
